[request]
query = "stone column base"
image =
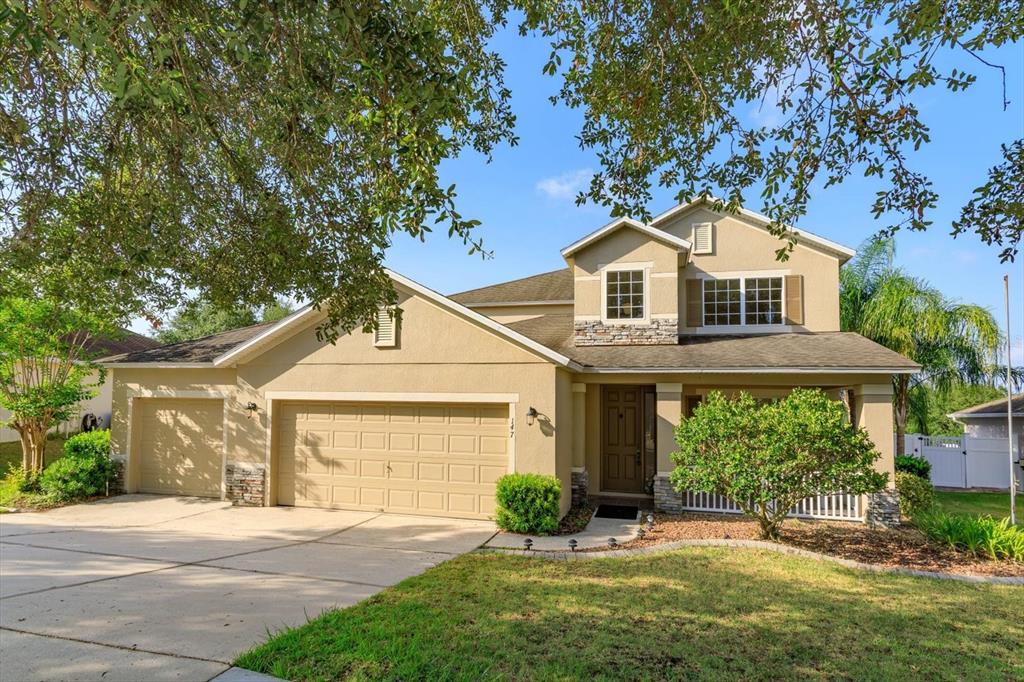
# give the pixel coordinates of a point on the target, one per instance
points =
(245, 484)
(580, 487)
(883, 509)
(117, 485)
(666, 499)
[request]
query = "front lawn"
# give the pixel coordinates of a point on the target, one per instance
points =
(10, 453)
(979, 504)
(704, 613)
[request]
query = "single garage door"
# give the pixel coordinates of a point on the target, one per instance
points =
(438, 459)
(181, 446)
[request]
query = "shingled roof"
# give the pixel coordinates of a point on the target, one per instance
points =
(125, 342)
(201, 350)
(556, 285)
(786, 351)
(993, 408)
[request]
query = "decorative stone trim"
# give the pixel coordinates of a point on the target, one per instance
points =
(666, 499)
(580, 486)
(598, 333)
(883, 509)
(117, 486)
(245, 484)
(755, 544)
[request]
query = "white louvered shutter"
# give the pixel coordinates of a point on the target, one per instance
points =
(385, 335)
(702, 237)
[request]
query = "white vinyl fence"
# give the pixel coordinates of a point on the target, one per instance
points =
(965, 461)
(839, 506)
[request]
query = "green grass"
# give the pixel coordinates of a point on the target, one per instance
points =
(700, 613)
(979, 504)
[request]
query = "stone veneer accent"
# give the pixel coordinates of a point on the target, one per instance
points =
(883, 509)
(580, 485)
(597, 333)
(245, 484)
(666, 499)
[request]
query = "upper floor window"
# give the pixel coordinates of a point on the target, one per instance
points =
(743, 301)
(624, 295)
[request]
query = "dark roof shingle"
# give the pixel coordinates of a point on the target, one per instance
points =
(204, 349)
(995, 407)
(556, 285)
(125, 342)
(821, 350)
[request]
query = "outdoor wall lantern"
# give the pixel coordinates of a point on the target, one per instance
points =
(531, 416)
(251, 408)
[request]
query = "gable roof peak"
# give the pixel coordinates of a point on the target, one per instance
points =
(652, 232)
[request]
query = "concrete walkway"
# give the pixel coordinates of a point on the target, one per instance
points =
(143, 587)
(596, 534)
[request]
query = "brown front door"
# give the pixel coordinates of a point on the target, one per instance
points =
(622, 462)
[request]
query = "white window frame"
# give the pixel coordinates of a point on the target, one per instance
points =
(621, 267)
(743, 327)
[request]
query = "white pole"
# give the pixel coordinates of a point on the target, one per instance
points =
(1009, 404)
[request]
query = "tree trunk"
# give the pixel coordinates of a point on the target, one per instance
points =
(33, 446)
(900, 399)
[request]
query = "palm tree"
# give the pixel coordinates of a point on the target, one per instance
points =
(955, 343)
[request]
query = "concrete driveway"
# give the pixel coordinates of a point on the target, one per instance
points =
(146, 587)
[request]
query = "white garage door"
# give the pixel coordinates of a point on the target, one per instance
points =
(438, 459)
(181, 445)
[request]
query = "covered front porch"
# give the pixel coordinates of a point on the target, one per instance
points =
(624, 424)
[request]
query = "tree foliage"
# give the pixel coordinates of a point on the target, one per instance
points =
(769, 457)
(928, 407)
(241, 150)
(45, 370)
(955, 343)
(996, 209)
(789, 95)
(197, 319)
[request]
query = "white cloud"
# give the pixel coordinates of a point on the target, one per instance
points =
(566, 185)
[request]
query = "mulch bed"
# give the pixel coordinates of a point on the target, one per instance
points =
(905, 547)
(575, 520)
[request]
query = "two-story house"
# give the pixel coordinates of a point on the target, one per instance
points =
(581, 373)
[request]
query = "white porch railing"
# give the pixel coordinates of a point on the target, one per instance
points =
(838, 506)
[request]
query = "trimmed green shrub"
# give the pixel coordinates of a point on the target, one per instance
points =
(83, 471)
(912, 464)
(528, 503)
(976, 535)
(916, 494)
(89, 443)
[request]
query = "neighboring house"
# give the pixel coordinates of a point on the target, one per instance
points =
(988, 420)
(98, 405)
(581, 373)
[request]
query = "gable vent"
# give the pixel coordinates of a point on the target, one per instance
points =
(386, 334)
(702, 237)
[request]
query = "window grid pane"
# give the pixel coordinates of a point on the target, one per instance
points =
(721, 302)
(764, 300)
(625, 295)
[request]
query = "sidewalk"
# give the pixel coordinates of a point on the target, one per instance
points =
(596, 534)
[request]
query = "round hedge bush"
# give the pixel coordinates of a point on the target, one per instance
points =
(528, 503)
(83, 471)
(916, 494)
(912, 464)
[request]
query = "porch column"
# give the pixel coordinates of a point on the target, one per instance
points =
(872, 407)
(580, 477)
(670, 409)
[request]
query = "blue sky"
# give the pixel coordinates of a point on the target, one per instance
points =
(525, 196)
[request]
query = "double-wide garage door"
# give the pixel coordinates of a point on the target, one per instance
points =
(438, 459)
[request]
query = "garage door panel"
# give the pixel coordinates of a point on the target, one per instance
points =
(181, 446)
(431, 458)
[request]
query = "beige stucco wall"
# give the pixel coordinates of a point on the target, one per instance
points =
(437, 352)
(626, 245)
(739, 246)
